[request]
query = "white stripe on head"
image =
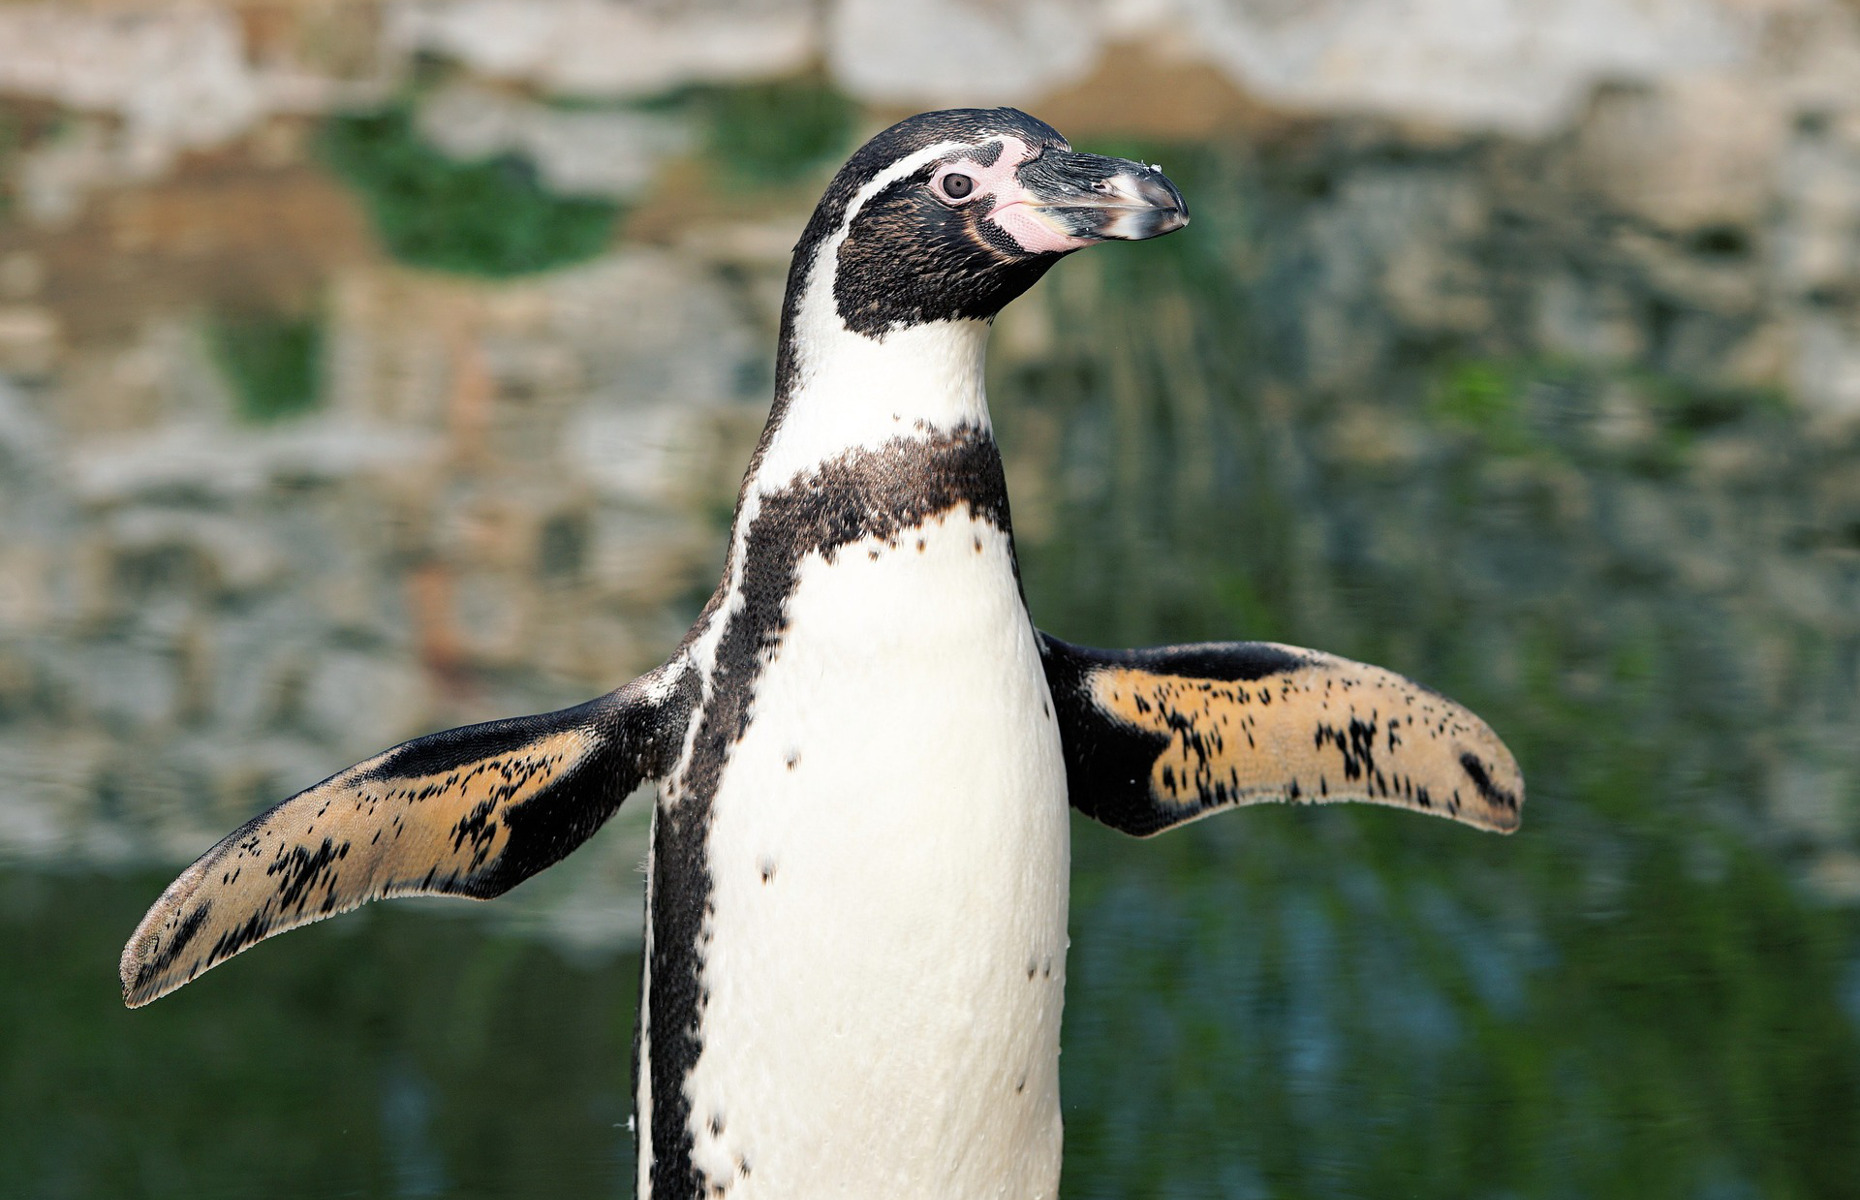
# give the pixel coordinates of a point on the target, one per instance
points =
(904, 168)
(854, 391)
(821, 422)
(851, 391)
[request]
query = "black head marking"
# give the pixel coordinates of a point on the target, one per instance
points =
(976, 126)
(979, 127)
(909, 259)
(910, 255)
(951, 215)
(915, 253)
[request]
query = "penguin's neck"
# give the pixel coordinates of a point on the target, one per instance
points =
(841, 391)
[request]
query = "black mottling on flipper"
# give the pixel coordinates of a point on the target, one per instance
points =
(1157, 738)
(471, 812)
(183, 935)
(881, 494)
(1490, 791)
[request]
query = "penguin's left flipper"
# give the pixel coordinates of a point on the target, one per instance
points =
(1157, 738)
(468, 812)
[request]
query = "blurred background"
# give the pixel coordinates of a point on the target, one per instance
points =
(373, 366)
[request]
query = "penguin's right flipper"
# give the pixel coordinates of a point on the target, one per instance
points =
(1156, 738)
(468, 812)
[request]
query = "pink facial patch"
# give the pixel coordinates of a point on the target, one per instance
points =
(1012, 213)
(1029, 227)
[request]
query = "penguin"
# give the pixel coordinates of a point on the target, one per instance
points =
(865, 752)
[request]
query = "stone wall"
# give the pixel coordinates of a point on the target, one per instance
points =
(507, 494)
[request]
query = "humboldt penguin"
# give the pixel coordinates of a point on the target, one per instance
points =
(865, 752)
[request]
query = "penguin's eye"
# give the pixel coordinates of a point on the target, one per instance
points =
(957, 186)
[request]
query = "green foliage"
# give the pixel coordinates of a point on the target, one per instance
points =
(273, 361)
(1521, 407)
(490, 217)
(1484, 399)
(759, 135)
(770, 134)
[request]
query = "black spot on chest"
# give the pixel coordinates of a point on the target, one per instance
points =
(884, 494)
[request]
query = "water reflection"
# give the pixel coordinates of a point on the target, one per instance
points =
(1630, 998)
(391, 1056)
(1408, 402)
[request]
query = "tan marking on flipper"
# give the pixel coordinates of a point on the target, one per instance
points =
(1329, 730)
(348, 840)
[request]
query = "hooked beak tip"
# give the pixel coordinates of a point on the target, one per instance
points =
(1156, 206)
(1169, 220)
(1069, 201)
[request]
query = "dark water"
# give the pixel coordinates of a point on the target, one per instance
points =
(1636, 996)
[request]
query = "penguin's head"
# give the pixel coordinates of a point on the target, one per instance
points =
(951, 215)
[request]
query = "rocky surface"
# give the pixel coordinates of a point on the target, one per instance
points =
(1523, 235)
(502, 505)
(1524, 66)
(1495, 410)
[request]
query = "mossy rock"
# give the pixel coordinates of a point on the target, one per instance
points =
(273, 361)
(768, 134)
(489, 217)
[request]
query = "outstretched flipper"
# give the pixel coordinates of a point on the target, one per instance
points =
(468, 812)
(1156, 738)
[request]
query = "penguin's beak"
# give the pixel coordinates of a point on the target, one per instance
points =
(1067, 200)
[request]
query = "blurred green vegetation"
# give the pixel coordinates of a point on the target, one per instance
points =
(494, 217)
(273, 361)
(397, 1053)
(489, 217)
(768, 134)
(774, 133)
(1485, 399)
(1522, 407)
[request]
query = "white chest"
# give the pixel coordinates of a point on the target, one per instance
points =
(884, 958)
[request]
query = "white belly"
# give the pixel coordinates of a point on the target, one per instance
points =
(885, 962)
